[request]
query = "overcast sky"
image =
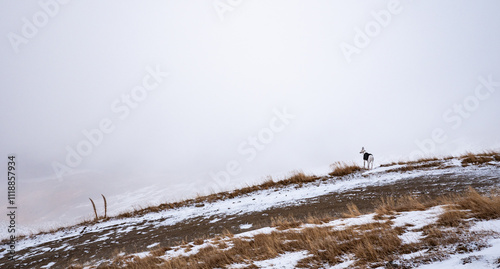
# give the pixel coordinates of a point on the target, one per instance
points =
(187, 97)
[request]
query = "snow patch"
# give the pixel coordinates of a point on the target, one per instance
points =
(418, 219)
(485, 258)
(284, 261)
(411, 237)
(343, 265)
(50, 264)
(142, 254)
(246, 226)
(490, 225)
(153, 245)
(265, 230)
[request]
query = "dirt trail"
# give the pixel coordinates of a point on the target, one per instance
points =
(88, 247)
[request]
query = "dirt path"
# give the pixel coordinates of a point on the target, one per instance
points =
(104, 244)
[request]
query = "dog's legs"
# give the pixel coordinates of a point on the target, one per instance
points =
(370, 162)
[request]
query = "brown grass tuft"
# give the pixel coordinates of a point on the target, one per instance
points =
(342, 169)
(371, 245)
(481, 206)
(297, 177)
(285, 223)
(377, 245)
(352, 211)
(199, 241)
(468, 158)
(410, 166)
(479, 158)
(412, 163)
(435, 237)
(159, 251)
(390, 205)
(452, 218)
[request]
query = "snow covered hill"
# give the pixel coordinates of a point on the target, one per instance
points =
(222, 224)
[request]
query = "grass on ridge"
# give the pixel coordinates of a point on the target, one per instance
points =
(479, 158)
(297, 177)
(468, 158)
(369, 245)
(342, 169)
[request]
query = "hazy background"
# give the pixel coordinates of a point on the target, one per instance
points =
(228, 74)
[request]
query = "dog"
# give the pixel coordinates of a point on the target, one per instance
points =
(367, 157)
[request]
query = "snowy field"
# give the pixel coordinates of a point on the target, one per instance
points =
(487, 257)
(282, 197)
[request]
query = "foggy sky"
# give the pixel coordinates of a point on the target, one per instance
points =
(197, 96)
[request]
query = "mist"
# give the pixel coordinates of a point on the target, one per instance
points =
(157, 101)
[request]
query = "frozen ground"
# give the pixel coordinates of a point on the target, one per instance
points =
(487, 257)
(151, 228)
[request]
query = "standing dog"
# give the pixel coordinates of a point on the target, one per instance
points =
(367, 157)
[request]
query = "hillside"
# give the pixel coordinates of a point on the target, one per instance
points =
(399, 215)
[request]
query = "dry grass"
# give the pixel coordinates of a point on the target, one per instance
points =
(352, 211)
(436, 237)
(409, 166)
(390, 205)
(470, 158)
(481, 206)
(282, 223)
(418, 161)
(323, 243)
(470, 204)
(452, 218)
(378, 245)
(296, 177)
(342, 169)
(371, 245)
(424, 160)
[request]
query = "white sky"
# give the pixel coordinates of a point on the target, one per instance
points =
(226, 79)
